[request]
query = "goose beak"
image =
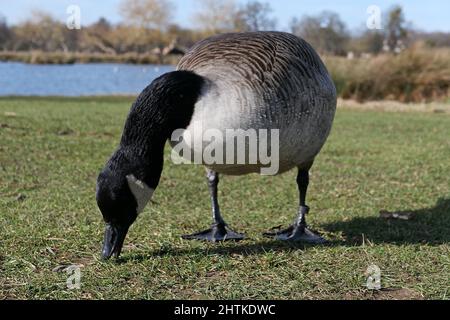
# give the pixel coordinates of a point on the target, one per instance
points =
(113, 241)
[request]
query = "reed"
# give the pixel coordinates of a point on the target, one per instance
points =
(415, 75)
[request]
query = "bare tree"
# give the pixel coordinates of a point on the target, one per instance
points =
(432, 39)
(41, 31)
(325, 32)
(5, 33)
(148, 14)
(98, 37)
(368, 41)
(372, 42)
(255, 16)
(216, 15)
(396, 31)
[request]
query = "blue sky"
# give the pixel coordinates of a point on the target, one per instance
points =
(429, 15)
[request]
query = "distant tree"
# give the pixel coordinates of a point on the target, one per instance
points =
(148, 14)
(216, 15)
(396, 31)
(184, 38)
(5, 33)
(125, 38)
(255, 16)
(72, 39)
(372, 42)
(326, 32)
(41, 31)
(98, 37)
(102, 25)
(433, 39)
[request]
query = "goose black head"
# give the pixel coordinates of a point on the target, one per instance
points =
(130, 177)
(120, 198)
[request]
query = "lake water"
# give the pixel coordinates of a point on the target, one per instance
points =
(76, 80)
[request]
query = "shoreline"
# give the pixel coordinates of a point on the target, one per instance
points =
(414, 76)
(436, 107)
(68, 58)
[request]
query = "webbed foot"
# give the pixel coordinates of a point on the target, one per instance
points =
(296, 234)
(217, 233)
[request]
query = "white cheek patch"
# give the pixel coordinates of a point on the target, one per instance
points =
(141, 192)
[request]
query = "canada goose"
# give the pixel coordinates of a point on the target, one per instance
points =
(255, 80)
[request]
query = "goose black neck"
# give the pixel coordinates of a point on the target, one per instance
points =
(165, 105)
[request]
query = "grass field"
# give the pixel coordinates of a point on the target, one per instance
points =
(52, 149)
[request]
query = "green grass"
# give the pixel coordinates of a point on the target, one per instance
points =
(52, 149)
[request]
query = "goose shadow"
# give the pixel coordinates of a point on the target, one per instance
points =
(224, 249)
(426, 226)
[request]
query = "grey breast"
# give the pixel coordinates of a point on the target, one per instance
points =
(270, 80)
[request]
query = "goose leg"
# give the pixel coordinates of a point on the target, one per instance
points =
(299, 231)
(219, 230)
